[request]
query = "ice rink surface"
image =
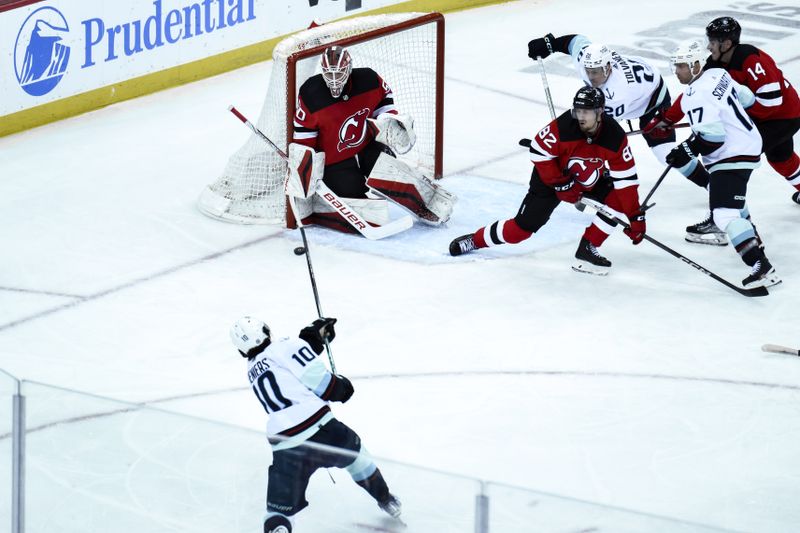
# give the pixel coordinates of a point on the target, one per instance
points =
(646, 389)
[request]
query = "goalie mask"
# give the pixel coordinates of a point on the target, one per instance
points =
(336, 67)
(250, 336)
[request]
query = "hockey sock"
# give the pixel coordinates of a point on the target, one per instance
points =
(789, 169)
(743, 237)
(500, 232)
(595, 235)
(376, 486)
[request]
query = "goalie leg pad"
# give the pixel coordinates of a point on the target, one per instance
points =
(374, 211)
(411, 190)
(306, 167)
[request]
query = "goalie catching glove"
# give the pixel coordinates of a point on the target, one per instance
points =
(306, 168)
(395, 131)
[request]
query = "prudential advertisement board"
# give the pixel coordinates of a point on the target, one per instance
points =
(51, 50)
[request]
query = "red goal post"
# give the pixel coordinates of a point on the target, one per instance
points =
(406, 49)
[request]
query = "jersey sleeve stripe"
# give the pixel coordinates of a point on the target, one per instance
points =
(305, 135)
(384, 107)
(538, 156)
(622, 174)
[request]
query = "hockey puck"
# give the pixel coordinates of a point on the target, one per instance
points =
(299, 250)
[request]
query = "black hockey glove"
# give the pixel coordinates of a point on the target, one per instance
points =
(541, 47)
(682, 154)
(341, 391)
(318, 332)
(325, 328)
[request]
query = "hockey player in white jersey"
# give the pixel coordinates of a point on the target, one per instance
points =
(295, 388)
(730, 146)
(632, 87)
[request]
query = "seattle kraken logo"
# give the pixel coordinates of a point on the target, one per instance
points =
(40, 55)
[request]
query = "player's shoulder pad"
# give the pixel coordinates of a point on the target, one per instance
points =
(363, 80)
(612, 135)
(315, 94)
(740, 55)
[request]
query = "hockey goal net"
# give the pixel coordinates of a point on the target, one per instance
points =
(406, 49)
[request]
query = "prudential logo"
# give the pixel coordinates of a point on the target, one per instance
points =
(40, 55)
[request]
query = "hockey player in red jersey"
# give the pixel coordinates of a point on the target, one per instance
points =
(295, 388)
(346, 134)
(580, 153)
(775, 113)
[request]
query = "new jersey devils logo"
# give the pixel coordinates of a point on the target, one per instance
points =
(585, 170)
(353, 130)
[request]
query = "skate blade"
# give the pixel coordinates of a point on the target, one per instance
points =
(588, 268)
(708, 238)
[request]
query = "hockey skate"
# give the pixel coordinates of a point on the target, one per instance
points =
(796, 197)
(706, 232)
(589, 260)
(462, 245)
(763, 275)
(392, 506)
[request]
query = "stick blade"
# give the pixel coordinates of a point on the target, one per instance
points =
(755, 291)
(777, 348)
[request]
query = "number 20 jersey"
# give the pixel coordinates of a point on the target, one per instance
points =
(633, 87)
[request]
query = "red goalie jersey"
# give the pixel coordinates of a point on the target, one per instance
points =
(338, 126)
(561, 151)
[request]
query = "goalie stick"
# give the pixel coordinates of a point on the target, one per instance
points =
(332, 199)
(777, 348)
(755, 291)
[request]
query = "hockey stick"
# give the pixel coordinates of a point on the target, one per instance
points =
(330, 198)
(755, 291)
(307, 252)
(639, 132)
(777, 348)
(644, 206)
(546, 89)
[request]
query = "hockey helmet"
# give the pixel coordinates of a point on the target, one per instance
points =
(722, 28)
(336, 66)
(596, 62)
(689, 52)
(589, 98)
(596, 55)
(250, 336)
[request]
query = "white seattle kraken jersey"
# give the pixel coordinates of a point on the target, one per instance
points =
(714, 105)
(288, 379)
(632, 88)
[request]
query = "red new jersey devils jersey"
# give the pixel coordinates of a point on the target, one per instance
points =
(753, 68)
(338, 126)
(561, 151)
